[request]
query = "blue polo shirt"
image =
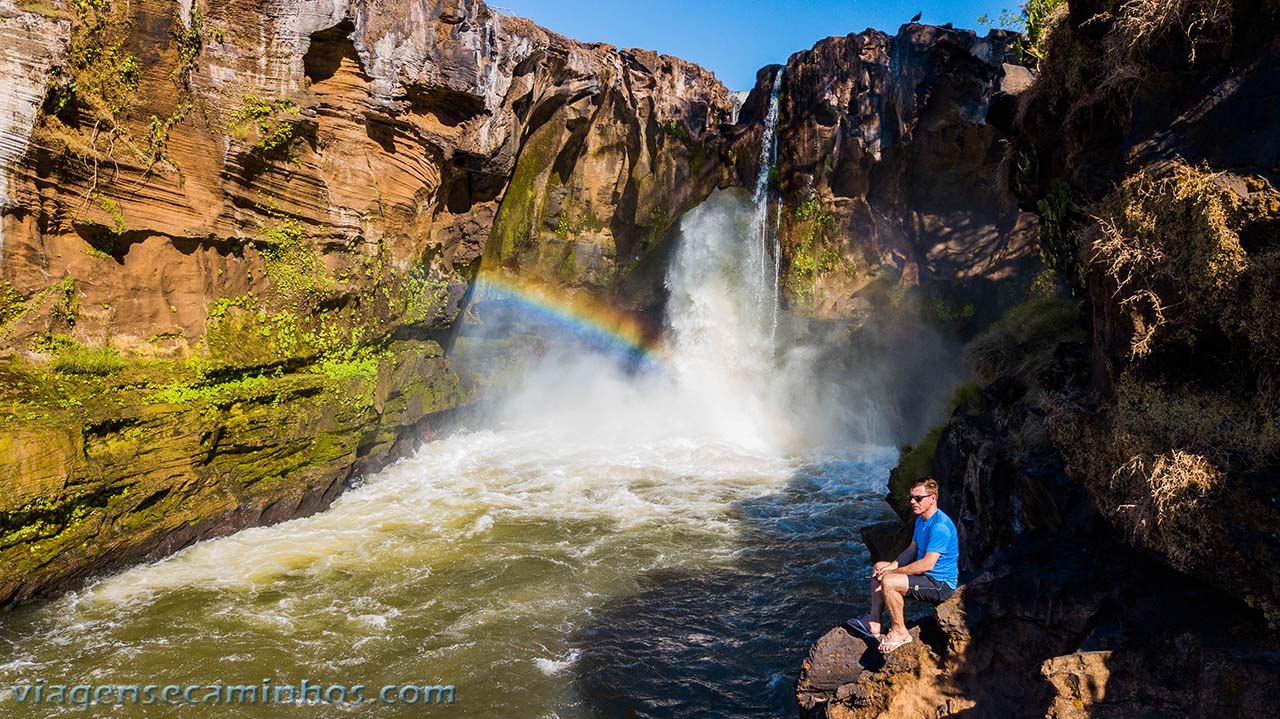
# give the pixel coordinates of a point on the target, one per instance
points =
(938, 534)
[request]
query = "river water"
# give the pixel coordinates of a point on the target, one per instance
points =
(608, 541)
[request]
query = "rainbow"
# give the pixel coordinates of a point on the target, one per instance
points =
(591, 321)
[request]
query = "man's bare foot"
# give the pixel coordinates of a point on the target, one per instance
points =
(894, 640)
(900, 637)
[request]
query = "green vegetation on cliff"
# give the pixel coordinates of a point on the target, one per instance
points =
(814, 256)
(165, 449)
(272, 125)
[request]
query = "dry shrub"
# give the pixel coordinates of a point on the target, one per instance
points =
(1166, 494)
(1264, 310)
(1167, 243)
(1161, 455)
(1167, 485)
(1139, 24)
(1179, 481)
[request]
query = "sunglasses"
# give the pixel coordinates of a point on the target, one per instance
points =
(919, 497)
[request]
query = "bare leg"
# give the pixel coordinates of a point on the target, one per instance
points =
(895, 591)
(872, 620)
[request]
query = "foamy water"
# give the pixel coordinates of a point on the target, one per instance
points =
(478, 562)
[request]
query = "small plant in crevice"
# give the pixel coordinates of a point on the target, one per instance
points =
(270, 124)
(1059, 236)
(188, 37)
(677, 130)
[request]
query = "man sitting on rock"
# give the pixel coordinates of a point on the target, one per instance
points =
(930, 576)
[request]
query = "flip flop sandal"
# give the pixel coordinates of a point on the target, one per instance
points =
(890, 647)
(860, 627)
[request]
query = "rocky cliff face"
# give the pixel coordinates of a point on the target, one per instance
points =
(235, 236)
(1159, 180)
(1057, 615)
(1117, 473)
(887, 169)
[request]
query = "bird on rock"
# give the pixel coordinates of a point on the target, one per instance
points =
(917, 17)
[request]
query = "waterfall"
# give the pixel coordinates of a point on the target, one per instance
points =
(722, 308)
(767, 241)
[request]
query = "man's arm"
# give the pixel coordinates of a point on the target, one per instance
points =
(919, 566)
(906, 556)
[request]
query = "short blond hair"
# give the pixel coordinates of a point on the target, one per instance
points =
(929, 485)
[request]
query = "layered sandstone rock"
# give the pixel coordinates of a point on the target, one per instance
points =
(235, 236)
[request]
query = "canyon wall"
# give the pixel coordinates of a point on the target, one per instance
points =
(236, 237)
(1115, 482)
(887, 158)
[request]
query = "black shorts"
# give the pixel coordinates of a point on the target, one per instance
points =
(927, 589)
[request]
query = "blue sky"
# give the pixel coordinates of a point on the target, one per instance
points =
(734, 38)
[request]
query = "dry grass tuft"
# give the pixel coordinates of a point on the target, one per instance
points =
(1167, 493)
(1168, 245)
(1139, 24)
(1179, 481)
(1160, 457)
